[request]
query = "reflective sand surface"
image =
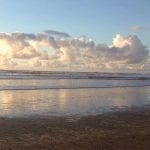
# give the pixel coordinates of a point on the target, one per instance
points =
(80, 101)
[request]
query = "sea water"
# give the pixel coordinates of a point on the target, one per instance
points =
(24, 94)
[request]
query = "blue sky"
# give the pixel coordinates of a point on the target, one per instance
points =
(99, 19)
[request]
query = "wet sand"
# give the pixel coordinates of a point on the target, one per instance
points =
(127, 130)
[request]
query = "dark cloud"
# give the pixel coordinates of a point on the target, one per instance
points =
(57, 34)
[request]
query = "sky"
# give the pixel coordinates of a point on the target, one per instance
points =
(82, 35)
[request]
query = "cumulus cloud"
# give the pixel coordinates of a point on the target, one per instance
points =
(58, 50)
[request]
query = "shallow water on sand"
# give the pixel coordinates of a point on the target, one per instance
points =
(59, 97)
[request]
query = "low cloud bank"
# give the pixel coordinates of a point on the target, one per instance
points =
(58, 50)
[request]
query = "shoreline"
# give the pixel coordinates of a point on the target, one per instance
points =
(120, 130)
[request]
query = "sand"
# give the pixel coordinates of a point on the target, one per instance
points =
(127, 130)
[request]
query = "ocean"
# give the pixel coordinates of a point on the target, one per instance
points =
(34, 93)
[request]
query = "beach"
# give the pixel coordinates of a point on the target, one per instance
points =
(74, 111)
(75, 75)
(120, 130)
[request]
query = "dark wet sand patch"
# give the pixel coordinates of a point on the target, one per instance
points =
(127, 130)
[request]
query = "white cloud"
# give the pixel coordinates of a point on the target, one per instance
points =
(57, 50)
